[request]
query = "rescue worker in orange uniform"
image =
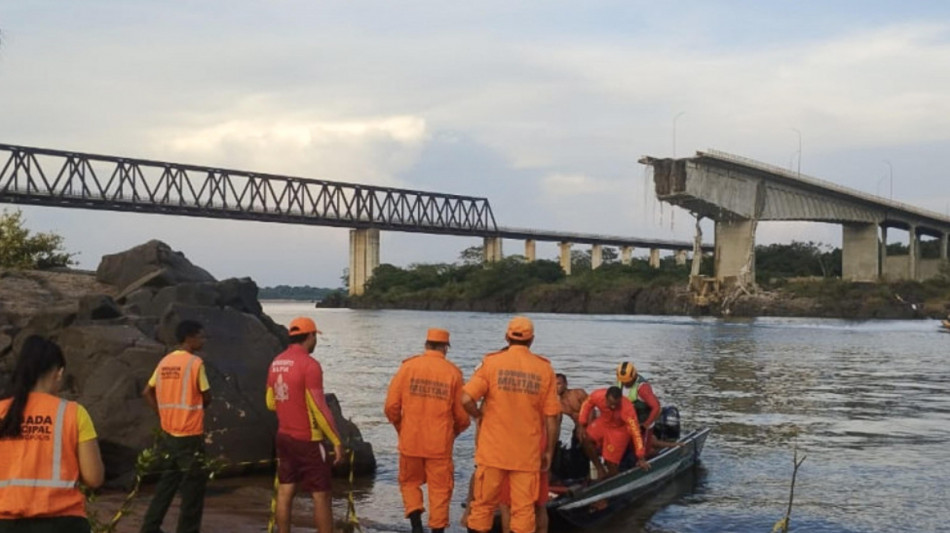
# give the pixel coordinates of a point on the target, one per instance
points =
(639, 391)
(304, 425)
(179, 391)
(47, 445)
(520, 398)
(612, 431)
(424, 405)
(540, 503)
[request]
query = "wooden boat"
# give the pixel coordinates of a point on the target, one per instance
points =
(587, 506)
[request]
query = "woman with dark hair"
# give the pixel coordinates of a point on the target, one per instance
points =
(47, 445)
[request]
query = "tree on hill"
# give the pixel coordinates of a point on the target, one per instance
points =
(21, 249)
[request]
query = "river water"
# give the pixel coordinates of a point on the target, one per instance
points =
(868, 403)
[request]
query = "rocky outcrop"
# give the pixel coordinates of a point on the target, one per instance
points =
(114, 328)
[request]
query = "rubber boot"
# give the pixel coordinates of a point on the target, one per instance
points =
(415, 518)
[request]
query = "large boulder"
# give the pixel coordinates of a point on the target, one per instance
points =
(116, 326)
(125, 268)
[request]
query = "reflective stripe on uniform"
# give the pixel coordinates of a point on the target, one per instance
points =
(183, 402)
(56, 472)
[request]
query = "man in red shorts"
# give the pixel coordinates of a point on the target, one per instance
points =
(612, 431)
(304, 424)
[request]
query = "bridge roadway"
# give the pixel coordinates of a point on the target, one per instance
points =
(58, 178)
(737, 193)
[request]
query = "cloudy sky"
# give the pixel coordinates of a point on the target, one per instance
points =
(543, 107)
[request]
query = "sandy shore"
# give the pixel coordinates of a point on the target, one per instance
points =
(234, 505)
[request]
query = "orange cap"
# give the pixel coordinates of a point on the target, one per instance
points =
(437, 335)
(302, 325)
(520, 328)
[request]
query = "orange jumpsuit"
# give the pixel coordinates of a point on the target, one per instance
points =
(424, 404)
(612, 430)
(519, 391)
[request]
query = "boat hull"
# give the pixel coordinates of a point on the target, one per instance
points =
(599, 501)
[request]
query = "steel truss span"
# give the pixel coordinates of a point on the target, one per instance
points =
(59, 178)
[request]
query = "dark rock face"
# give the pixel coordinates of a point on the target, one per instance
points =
(124, 268)
(114, 331)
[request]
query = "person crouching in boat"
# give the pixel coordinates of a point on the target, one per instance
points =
(611, 432)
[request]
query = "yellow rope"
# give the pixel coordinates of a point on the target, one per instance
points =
(272, 521)
(351, 517)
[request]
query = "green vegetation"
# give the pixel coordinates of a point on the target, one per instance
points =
(512, 283)
(285, 292)
(776, 263)
(804, 279)
(22, 250)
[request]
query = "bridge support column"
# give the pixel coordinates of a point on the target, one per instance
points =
(626, 255)
(654, 258)
(565, 257)
(530, 253)
(735, 249)
(913, 253)
(882, 262)
(596, 256)
(943, 245)
(364, 258)
(680, 257)
(859, 252)
(491, 249)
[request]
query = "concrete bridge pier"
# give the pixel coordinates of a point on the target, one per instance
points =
(596, 256)
(913, 253)
(530, 252)
(364, 258)
(565, 257)
(860, 253)
(491, 249)
(626, 255)
(735, 248)
(654, 258)
(943, 245)
(882, 261)
(680, 257)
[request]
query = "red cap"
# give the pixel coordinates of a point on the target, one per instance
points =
(520, 328)
(301, 326)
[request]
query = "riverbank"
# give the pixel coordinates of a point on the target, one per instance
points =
(818, 298)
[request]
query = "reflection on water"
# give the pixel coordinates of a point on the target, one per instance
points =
(867, 402)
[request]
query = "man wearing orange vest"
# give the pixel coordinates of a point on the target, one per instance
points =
(179, 391)
(304, 424)
(424, 405)
(612, 431)
(47, 445)
(520, 399)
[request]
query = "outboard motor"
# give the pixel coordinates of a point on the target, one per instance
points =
(667, 426)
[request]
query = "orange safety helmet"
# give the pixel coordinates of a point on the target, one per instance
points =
(626, 372)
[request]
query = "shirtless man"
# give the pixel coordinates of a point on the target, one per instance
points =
(571, 400)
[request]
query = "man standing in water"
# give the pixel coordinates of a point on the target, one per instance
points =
(424, 405)
(179, 391)
(304, 424)
(520, 396)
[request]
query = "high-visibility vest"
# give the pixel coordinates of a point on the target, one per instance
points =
(180, 404)
(40, 468)
(643, 410)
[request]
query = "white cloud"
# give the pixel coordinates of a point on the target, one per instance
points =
(368, 150)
